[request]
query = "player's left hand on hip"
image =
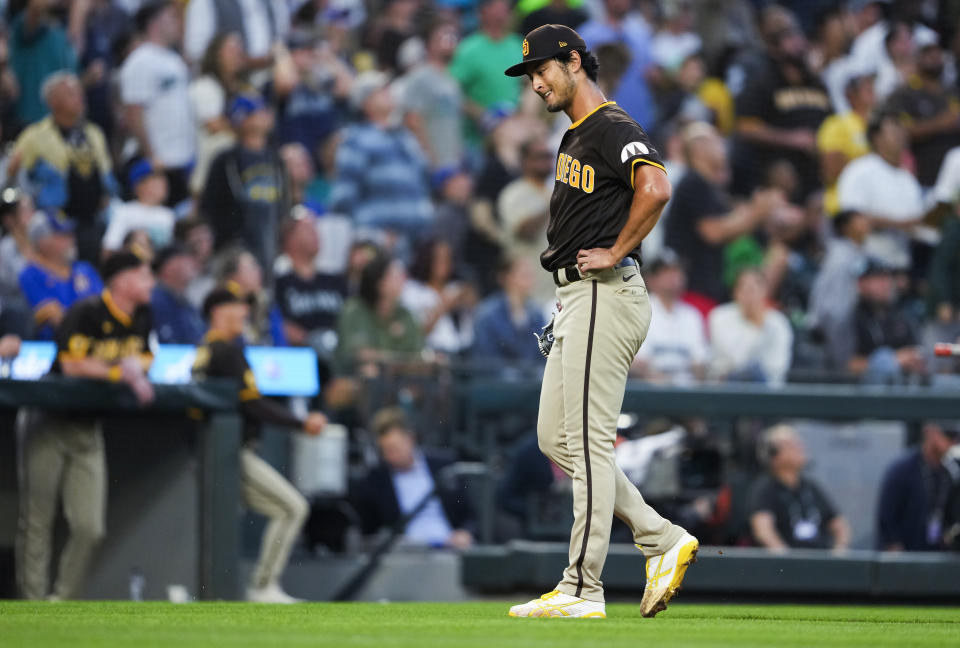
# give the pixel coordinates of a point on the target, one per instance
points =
(595, 259)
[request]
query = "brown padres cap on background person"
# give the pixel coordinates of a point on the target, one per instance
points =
(544, 43)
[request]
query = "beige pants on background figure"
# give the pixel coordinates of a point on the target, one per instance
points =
(267, 492)
(603, 320)
(59, 457)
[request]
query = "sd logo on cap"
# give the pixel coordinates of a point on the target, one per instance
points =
(544, 43)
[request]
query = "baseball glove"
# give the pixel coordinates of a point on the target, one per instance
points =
(545, 339)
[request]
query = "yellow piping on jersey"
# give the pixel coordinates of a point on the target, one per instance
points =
(633, 170)
(580, 121)
(118, 314)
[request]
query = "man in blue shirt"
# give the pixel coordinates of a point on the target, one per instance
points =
(914, 492)
(382, 176)
(506, 320)
(175, 319)
(54, 280)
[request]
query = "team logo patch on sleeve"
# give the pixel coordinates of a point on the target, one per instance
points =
(633, 148)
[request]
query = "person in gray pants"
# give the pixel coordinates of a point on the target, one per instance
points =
(104, 337)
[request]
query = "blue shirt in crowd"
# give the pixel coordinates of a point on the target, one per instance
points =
(498, 337)
(382, 180)
(175, 319)
(41, 286)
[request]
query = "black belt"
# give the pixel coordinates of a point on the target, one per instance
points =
(568, 275)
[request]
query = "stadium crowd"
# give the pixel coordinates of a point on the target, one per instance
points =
(369, 179)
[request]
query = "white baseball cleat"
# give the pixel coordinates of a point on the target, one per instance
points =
(560, 605)
(665, 574)
(272, 593)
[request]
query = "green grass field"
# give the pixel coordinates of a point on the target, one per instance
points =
(455, 625)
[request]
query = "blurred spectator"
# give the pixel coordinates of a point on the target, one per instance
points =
(175, 319)
(505, 320)
(675, 349)
(238, 269)
(16, 210)
(245, 197)
(53, 280)
(455, 200)
(221, 79)
(389, 29)
(553, 12)
(411, 482)
(780, 110)
(301, 177)
(843, 137)
(38, 47)
(261, 24)
(787, 509)
(442, 304)
(145, 212)
(690, 96)
(913, 496)
(374, 325)
(675, 39)
(99, 29)
(154, 90)
(264, 490)
(480, 60)
(836, 29)
(138, 242)
(834, 296)
(9, 90)
(106, 338)
(432, 101)
(701, 218)
(944, 278)
(930, 111)
(381, 169)
(196, 236)
(524, 208)
(620, 25)
(878, 186)
(897, 62)
(309, 92)
(885, 348)
(66, 162)
(749, 340)
(310, 301)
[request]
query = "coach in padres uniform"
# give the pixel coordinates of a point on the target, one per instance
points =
(264, 489)
(610, 189)
(104, 337)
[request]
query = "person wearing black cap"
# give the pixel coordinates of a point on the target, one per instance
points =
(610, 190)
(176, 320)
(885, 335)
(264, 490)
(103, 337)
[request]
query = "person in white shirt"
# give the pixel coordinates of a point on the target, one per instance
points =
(876, 185)
(749, 339)
(153, 89)
(147, 212)
(675, 351)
